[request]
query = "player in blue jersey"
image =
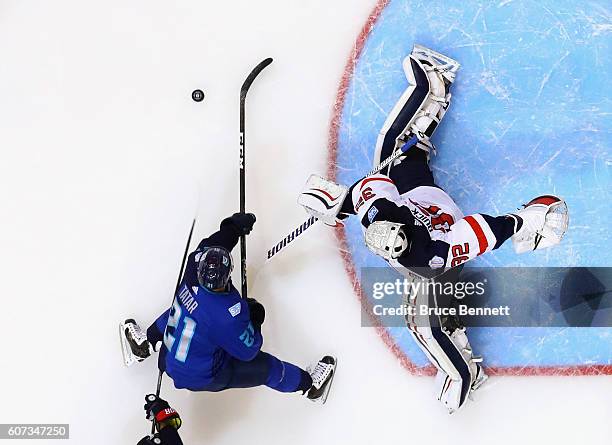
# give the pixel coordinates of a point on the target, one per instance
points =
(211, 337)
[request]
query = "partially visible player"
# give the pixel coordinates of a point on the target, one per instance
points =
(167, 422)
(211, 337)
(417, 227)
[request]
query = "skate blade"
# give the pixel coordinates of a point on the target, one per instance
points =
(323, 397)
(126, 351)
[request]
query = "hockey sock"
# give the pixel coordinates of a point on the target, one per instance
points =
(503, 227)
(285, 377)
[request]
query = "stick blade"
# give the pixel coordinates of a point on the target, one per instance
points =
(251, 77)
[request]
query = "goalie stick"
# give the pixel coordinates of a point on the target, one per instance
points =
(243, 93)
(272, 251)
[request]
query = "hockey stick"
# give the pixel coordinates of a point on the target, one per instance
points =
(243, 93)
(310, 221)
(178, 283)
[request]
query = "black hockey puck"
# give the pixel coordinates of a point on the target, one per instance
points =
(197, 95)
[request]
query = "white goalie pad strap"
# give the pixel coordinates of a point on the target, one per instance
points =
(386, 239)
(545, 221)
(323, 198)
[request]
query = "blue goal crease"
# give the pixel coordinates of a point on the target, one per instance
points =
(530, 114)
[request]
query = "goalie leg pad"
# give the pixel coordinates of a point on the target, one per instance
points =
(446, 347)
(422, 106)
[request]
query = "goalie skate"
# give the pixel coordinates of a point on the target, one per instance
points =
(134, 344)
(322, 379)
(444, 65)
(481, 378)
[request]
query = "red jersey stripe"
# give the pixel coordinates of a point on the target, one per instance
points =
(365, 181)
(482, 239)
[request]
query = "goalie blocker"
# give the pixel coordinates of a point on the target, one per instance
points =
(323, 199)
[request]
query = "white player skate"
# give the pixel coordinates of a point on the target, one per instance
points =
(322, 378)
(134, 344)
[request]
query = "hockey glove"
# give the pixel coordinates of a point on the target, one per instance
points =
(257, 311)
(243, 222)
(168, 436)
(158, 410)
(148, 441)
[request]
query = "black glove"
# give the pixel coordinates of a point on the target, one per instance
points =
(243, 222)
(168, 436)
(257, 311)
(148, 441)
(158, 410)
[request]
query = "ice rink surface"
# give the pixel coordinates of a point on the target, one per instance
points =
(104, 161)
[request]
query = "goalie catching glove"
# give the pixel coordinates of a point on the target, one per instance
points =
(545, 221)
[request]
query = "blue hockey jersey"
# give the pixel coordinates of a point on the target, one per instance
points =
(204, 328)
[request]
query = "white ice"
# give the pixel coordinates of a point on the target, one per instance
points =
(104, 161)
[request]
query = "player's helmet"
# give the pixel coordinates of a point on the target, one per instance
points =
(215, 268)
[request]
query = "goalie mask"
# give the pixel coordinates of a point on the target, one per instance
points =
(387, 239)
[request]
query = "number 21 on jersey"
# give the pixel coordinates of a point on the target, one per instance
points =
(189, 327)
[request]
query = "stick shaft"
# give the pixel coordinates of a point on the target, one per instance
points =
(242, 163)
(176, 288)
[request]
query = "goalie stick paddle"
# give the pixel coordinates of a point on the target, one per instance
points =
(243, 93)
(272, 251)
(178, 283)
